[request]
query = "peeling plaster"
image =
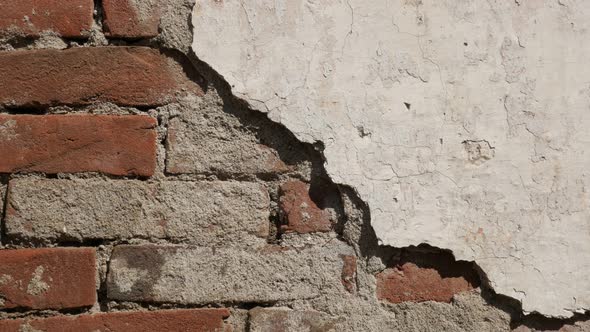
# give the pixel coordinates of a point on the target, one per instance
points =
(462, 124)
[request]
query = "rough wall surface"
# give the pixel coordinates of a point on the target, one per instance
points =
(461, 124)
(138, 193)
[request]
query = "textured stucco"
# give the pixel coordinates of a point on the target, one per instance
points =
(462, 124)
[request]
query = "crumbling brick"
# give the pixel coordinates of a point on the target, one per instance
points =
(349, 273)
(209, 141)
(199, 320)
(72, 19)
(287, 320)
(409, 282)
(118, 145)
(203, 213)
(131, 18)
(47, 278)
(299, 212)
(129, 76)
(168, 274)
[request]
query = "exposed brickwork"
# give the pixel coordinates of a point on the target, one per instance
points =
(409, 282)
(32, 17)
(47, 278)
(131, 18)
(198, 320)
(157, 274)
(119, 145)
(299, 213)
(176, 193)
(203, 213)
(135, 76)
(287, 320)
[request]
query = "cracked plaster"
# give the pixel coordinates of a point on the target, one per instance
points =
(462, 124)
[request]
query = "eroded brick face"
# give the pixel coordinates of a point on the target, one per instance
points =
(168, 274)
(287, 320)
(299, 212)
(131, 18)
(411, 283)
(33, 17)
(47, 278)
(118, 145)
(202, 213)
(197, 320)
(130, 76)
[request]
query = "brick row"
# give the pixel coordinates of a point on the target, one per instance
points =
(203, 213)
(200, 275)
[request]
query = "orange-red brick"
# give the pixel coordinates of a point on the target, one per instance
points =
(119, 145)
(349, 272)
(56, 278)
(409, 282)
(131, 18)
(71, 18)
(196, 320)
(299, 212)
(128, 76)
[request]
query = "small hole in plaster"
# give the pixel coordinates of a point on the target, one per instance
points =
(408, 105)
(465, 44)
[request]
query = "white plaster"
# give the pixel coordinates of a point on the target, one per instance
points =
(490, 159)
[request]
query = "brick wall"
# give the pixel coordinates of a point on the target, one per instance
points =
(138, 194)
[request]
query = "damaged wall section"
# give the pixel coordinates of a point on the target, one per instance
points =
(131, 164)
(461, 124)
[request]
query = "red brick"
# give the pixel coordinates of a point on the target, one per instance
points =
(31, 17)
(408, 282)
(349, 272)
(299, 211)
(131, 18)
(165, 320)
(119, 145)
(129, 76)
(56, 278)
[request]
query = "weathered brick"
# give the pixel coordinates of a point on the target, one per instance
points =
(349, 273)
(198, 320)
(210, 141)
(200, 275)
(299, 212)
(131, 18)
(119, 145)
(55, 278)
(31, 17)
(130, 76)
(3, 187)
(408, 282)
(287, 320)
(204, 213)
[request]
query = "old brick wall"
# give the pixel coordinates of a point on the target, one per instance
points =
(138, 194)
